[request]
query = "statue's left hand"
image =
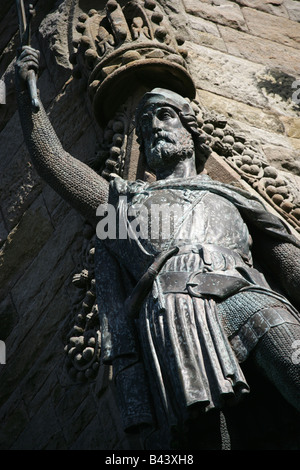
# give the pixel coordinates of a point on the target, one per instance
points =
(27, 60)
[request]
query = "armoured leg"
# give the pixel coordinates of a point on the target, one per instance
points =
(276, 354)
(267, 329)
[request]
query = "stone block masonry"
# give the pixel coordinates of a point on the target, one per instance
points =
(254, 61)
(244, 56)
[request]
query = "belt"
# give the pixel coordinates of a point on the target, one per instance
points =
(198, 284)
(142, 288)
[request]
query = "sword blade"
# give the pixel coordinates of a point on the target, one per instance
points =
(21, 19)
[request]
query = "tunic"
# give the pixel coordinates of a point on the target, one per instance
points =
(182, 344)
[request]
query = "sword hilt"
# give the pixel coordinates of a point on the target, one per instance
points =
(25, 38)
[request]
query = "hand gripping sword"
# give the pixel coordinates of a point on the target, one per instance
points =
(25, 36)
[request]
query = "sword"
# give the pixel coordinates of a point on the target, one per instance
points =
(25, 37)
(134, 302)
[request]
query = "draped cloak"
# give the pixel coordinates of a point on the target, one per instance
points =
(177, 347)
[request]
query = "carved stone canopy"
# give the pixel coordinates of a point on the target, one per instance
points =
(127, 47)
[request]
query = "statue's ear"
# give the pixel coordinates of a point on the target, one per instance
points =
(186, 109)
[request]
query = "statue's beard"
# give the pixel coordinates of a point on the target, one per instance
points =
(167, 150)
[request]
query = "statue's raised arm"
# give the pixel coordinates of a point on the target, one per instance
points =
(76, 182)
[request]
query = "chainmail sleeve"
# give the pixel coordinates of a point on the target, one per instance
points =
(73, 180)
(283, 261)
(287, 258)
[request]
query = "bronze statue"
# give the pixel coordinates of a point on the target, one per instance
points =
(180, 314)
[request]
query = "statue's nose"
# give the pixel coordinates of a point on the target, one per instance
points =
(156, 123)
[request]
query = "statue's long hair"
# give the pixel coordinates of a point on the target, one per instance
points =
(202, 150)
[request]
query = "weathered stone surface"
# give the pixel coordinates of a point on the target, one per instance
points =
(295, 143)
(22, 185)
(241, 79)
(41, 381)
(82, 415)
(226, 75)
(206, 33)
(23, 244)
(70, 107)
(8, 317)
(279, 89)
(242, 112)
(92, 437)
(8, 27)
(32, 349)
(283, 158)
(57, 208)
(177, 16)
(66, 401)
(5, 7)
(202, 25)
(108, 411)
(260, 136)
(261, 50)
(264, 25)
(11, 141)
(46, 88)
(47, 273)
(53, 42)
(292, 126)
(209, 40)
(274, 7)
(32, 437)
(3, 233)
(14, 419)
(293, 9)
(222, 12)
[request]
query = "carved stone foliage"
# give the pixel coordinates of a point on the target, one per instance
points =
(83, 342)
(110, 156)
(249, 161)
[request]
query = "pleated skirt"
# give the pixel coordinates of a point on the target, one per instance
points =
(190, 363)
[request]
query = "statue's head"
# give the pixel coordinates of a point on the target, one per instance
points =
(167, 130)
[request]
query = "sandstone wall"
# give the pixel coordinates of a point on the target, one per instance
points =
(244, 57)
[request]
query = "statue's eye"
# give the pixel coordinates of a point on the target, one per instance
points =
(164, 114)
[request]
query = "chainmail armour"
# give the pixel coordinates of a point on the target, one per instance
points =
(274, 356)
(76, 182)
(283, 260)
